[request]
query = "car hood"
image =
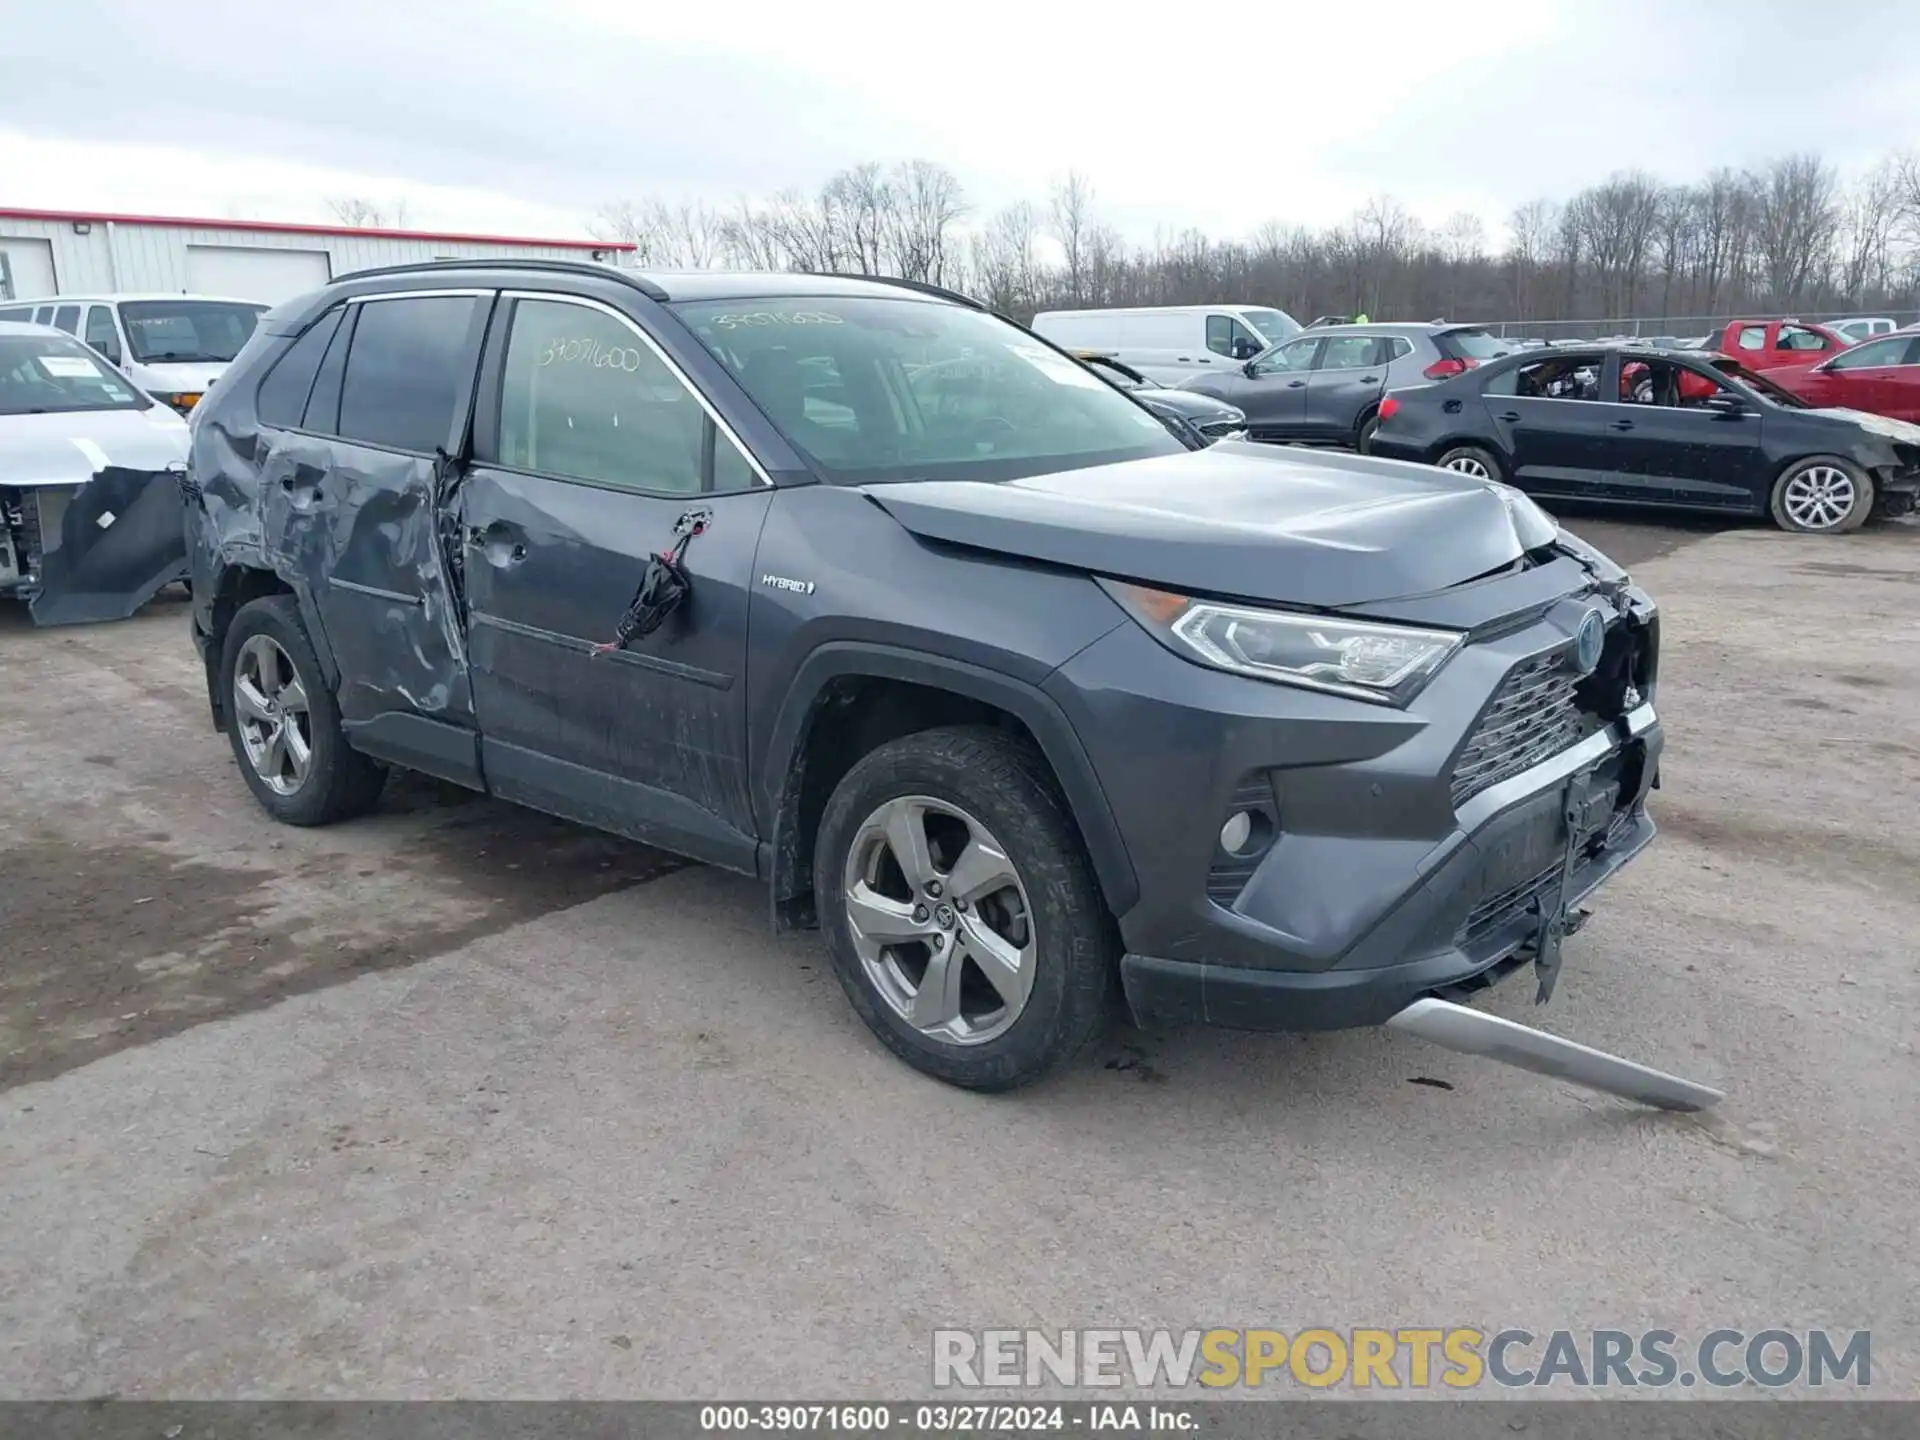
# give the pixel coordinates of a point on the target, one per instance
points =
(1881, 425)
(67, 447)
(1255, 522)
(1190, 403)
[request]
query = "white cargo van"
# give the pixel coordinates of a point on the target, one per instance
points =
(171, 346)
(1171, 343)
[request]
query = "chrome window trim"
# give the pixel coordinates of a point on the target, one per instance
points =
(587, 303)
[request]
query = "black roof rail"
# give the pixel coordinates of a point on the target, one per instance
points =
(559, 267)
(921, 286)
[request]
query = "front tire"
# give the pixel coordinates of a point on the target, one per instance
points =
(1472, 460)
(284, 723)
(1824, 495)
(960, 910)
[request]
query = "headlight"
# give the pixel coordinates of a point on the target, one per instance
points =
(1387, 664)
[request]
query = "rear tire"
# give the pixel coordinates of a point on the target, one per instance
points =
(985, 806)
(1822, 495)
(1472, 460)
(267, 656)
(1363, 441)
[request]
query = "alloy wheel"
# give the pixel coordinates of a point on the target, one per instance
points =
(1819, 497)
(1468, 465)
(270, 707)
(940, 920)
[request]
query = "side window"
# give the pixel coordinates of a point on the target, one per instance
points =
(67, 318)
(101, 334)
(1795, 337)
(1556, 379)
(1242, 343)
(282, 397)
(323, 405)
(44, 315)
(1296, 355)
(404, 373)
(1349, 352)
(1862, 357)
(1220, 334)
(1753, 337)
(1392, 348)
(583, 397)
(23, 313)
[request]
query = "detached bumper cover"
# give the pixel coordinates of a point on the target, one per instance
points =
(122, 536)
(1472, 914)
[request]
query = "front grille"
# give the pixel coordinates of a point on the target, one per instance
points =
(1494, 914)
(1534, 717)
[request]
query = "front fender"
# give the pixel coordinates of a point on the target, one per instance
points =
(1044, 720)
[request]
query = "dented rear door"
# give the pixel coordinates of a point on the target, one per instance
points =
(351, 501)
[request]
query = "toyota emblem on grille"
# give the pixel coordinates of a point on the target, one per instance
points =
(1588, 642)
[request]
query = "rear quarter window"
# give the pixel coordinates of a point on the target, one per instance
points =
(405, 372)
(1472, 345)
(282, 398)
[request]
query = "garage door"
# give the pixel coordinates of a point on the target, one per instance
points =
(242, 272)
(26, 268)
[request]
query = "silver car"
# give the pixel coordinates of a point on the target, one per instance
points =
(1325, 385)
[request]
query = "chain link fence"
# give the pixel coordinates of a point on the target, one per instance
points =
(1671, 327)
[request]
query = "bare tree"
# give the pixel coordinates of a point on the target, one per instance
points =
(1005, 267)
(1070, 209)
(927, 204)
(1723, 221)
(1616, 223)
(1869, 214)
(1529, 239)
(360, 212)
(1795, 215)
(687, 236)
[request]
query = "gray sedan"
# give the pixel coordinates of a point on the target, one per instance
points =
(1325, 385)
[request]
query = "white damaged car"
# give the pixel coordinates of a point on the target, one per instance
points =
(92, 474)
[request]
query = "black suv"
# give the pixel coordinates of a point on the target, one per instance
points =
(855, 587)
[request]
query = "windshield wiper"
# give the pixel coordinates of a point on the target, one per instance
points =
(183, 355)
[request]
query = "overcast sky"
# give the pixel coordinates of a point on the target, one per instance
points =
(526, 118)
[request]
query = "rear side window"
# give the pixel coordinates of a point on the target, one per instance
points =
(101, 334)
(22, 313)
(1753, 337)
(282, 400)
(404, 373)
(43, 316)
(67, 318)
(1353, 352)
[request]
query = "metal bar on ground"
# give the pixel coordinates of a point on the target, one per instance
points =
(1474, 1032)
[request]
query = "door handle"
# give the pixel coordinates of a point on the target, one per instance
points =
(499, 543)
(1512, 417)
(1369, 379)
(1295, 384)
(1623, 424)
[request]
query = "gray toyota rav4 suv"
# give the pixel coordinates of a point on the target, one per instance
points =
(855, 587)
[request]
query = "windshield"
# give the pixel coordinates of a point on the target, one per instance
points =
(52, 374)
(1758, 383)
(208, 331)
(1276, 325)
(908, 389)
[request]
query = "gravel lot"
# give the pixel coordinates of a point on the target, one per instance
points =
(458, 1100)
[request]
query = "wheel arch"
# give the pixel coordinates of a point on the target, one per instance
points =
(848, 697)
(235, 585)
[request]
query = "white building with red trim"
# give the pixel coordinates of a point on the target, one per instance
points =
(60, 252)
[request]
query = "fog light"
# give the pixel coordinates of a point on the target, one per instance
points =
(1236, 832)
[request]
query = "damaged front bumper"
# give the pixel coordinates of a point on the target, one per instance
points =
(1498, 895)
(96, 551)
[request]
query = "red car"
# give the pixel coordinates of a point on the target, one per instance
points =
(1881, 377)
(1777, 344)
